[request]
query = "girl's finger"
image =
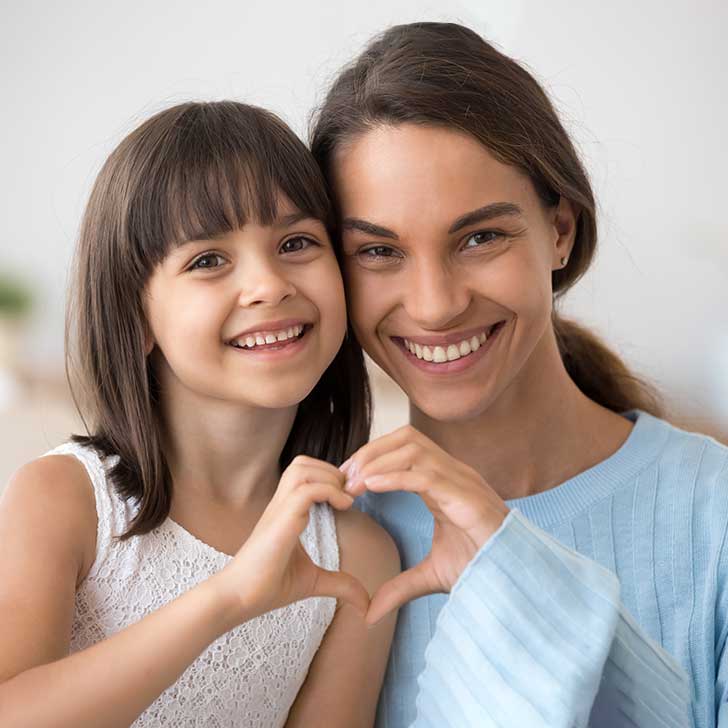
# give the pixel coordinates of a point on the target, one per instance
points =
(343, 586)
(310, 470)
(309, 493)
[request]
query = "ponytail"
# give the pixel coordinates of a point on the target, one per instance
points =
(599, 373)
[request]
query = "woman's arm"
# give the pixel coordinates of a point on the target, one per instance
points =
(533, 633)
(346, 675)
(47, 526)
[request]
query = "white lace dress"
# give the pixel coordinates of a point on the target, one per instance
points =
(249, 676)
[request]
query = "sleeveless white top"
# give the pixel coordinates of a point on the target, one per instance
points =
(249, 676)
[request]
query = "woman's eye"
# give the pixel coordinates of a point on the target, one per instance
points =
(295, 245)
(480, 239)
(377, 251)
(207, 261)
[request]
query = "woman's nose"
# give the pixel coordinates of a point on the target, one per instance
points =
(435, 296)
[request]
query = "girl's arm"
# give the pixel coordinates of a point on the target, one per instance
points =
(47, 527)
(346, 675)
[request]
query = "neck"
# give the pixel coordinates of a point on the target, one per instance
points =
(223, 453)
(538, 433)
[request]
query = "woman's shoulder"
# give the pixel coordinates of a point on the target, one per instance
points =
(367, 550)
(689, 455)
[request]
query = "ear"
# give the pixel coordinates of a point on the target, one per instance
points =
(564, 219)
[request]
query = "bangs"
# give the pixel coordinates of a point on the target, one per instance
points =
(213, 168)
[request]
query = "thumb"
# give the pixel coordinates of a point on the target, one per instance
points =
(343, 586)
(410, 584)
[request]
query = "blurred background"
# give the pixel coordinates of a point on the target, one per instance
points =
(641, 86)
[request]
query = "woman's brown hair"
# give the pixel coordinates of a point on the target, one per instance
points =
(192, 171)
(444, 74)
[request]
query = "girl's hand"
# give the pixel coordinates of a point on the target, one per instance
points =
(272, 569)
(466, 510)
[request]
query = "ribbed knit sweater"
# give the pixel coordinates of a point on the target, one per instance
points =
(601, 602)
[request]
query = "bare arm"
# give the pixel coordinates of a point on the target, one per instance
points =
(48, 532)
(47, 528)
(346, 675)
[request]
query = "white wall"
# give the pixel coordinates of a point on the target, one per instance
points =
(642, 85)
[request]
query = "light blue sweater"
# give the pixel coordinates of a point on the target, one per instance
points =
(538, 631)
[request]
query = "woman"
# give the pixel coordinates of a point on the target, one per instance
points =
(581, 536)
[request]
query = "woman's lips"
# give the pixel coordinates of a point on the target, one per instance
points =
(453, 354)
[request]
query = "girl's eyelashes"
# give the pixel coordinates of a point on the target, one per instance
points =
(207, 261)
(298, 243)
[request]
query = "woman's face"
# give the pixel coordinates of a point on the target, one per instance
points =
(448, 262)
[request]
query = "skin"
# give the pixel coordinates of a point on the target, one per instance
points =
(419, 265)
(227, 416)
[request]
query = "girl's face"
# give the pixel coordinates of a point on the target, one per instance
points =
(448, 262)
(254, 316)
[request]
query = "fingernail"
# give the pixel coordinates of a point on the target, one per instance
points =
(345, 465)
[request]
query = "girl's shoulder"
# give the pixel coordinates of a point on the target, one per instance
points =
(367, 551)
(52, 496)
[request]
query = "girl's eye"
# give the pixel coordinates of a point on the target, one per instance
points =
(297, 244)
(207, 261)
(482, 239)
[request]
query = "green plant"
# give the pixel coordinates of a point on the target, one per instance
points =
(16, 297)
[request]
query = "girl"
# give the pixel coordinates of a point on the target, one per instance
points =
(173, 551)
(555, 507)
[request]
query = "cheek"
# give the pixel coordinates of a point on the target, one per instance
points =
(368, 300)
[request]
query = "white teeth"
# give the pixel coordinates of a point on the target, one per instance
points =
(439, 355)
(453, 352)
(252, 340)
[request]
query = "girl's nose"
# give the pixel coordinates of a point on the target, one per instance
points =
(264, 286)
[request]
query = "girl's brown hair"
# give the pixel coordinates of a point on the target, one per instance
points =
(446, 75)
(192, 171)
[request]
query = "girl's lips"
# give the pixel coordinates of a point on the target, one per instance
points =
(450, 367)
(278, 349)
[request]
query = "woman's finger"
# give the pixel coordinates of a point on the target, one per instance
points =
(380, 446)
(406, 457)
(411, 584)
(412, 481)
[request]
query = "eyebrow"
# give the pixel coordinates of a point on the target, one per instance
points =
(487, 212)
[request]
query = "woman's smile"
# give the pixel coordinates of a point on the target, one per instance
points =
(449, 354)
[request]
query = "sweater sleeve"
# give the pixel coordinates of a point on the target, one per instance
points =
(534, 634)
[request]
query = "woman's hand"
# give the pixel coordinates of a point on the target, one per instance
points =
(466, 510)
(272, 569)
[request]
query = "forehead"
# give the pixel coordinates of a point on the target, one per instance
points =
(422, 175)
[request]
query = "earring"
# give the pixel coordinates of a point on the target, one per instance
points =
(564, 261)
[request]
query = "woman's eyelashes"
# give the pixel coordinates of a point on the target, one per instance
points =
(385, 255)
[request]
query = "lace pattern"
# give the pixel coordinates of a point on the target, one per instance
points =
(249, 676)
